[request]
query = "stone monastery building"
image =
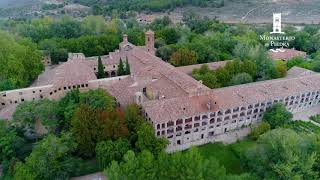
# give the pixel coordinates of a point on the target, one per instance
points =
(179, 107)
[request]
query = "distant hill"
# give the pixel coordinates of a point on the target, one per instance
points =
(16, 3)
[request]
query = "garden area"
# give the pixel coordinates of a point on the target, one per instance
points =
(315, 118)
(230, 156)
(304, 127)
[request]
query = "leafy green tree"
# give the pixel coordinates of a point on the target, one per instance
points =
(296, 61)
(265, 65)
(281, 68)
(283, 154)
(136, 36)
(233, 67)
(248, 66)
(161, 23)
(315, 42)
(197, 23)
(35, 114)
(241, 78)
(164, 53)
(67, 105)
(301, 41)
(127, 69)
(66, 27)
(91, 126)
(50, 159)
(316, 66)
(98, 98)
(6, 84)
(93, 25)
(20, 61)
(210, 80)
(108, 151)
(277, 116)
(133, 117)
(121, 69)
(148, 141)
(188, 165)
(241, 51)
(169, 34)
(10, 143)
(262, 128)
(100, 74)
(94, 98)
(183, 57)
(53, 49)
(223, 76)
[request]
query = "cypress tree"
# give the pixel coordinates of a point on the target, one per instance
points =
(127, 67)
(100, 74)
(121, 70)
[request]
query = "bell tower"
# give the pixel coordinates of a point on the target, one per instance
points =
(149, 40)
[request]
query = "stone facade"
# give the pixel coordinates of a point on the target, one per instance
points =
(179, 107)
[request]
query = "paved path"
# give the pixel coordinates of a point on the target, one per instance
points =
(95, 176)
(306, 114)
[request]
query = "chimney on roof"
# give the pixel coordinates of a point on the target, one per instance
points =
(210, 104)
(139, 98)
(125, 38)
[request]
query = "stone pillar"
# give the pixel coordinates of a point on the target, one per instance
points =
(125, 38)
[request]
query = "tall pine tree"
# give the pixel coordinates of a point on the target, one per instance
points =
(121, 70)
(100, 74)
(127, 67)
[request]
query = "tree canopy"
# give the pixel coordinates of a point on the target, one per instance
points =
(277, 116)
(20, 62)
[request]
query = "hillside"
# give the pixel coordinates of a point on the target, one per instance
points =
(16, 3)
(257, 11)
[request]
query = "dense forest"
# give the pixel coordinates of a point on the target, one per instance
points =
(105, 7)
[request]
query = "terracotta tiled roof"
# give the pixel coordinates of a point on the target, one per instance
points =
(230, 97)
(180, 79)
(285, 54)
(298, 72)
(73, 72)
(125, 90)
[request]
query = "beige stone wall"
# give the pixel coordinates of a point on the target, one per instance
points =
(51, 92)
(207, 127)
(21, 95)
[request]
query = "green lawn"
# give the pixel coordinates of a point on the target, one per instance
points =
(228, 155)
(305, 127)
(316, 118)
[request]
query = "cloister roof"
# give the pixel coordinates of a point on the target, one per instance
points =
(73, 72)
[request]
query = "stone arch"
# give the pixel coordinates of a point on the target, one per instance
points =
(113, 74)
(107, 74)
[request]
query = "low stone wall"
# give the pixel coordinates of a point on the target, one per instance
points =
(18, 96)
